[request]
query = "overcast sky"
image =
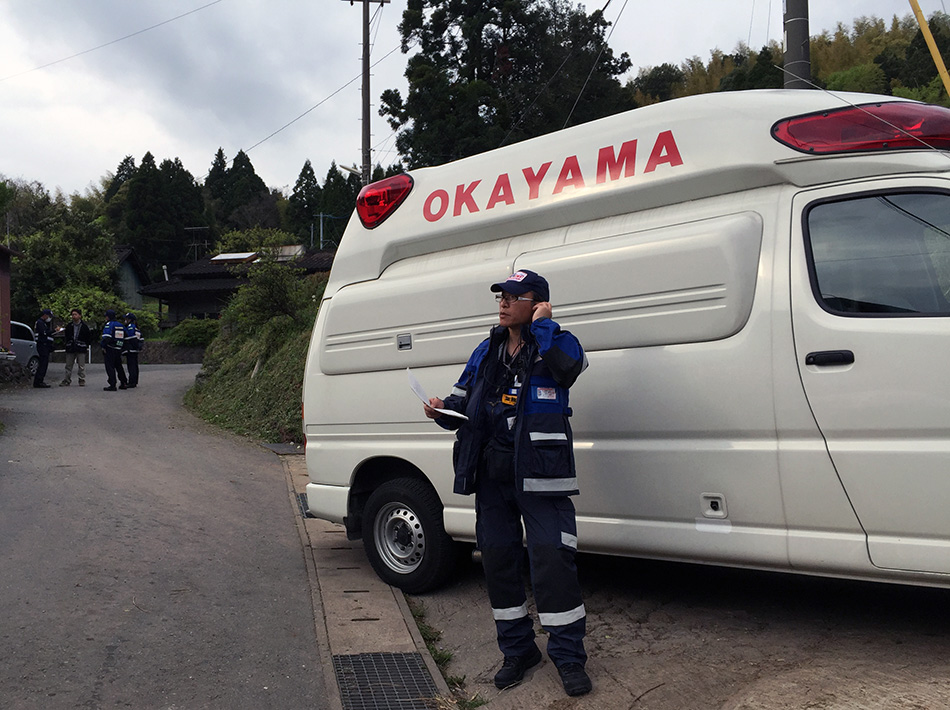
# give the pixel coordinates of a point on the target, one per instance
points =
(229, 73)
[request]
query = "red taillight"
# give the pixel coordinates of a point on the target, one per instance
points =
(886, 126)
(380, 199)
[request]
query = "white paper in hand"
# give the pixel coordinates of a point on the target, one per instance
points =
(421, 394)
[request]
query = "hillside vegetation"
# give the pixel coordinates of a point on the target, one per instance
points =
(252, 376)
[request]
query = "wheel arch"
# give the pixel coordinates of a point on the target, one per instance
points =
(369, 476)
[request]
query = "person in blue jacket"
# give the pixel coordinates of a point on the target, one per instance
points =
(131, 348)
(515, 453)
(113, 339)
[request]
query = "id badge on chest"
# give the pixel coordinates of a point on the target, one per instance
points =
(510, 397)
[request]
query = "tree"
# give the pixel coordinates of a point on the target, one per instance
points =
(869, 78)
(253, 239)
(499, 71)
(162, 202)
(759, 72)
(304, 204)
(123, 173)
(339, 199)
(64, 252)
(245, 200)
(659, 83)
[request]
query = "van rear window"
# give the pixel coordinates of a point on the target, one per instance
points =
(882, 255)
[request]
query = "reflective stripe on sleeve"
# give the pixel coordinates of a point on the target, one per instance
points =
(550, 485)
(459, 392)
(546, 436)
(510, 614)
(562, 618)
(569, 540)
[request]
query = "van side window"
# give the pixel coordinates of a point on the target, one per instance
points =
(883, 255)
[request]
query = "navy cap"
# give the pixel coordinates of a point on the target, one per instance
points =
(46, 312)
(130, 316)
(523, 281)
(110, 313)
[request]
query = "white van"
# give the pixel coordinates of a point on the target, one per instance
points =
(761, 281)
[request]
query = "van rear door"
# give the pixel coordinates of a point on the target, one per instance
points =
(871, 321)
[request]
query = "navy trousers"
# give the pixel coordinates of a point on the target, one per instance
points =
(550, 529)
(113, 363)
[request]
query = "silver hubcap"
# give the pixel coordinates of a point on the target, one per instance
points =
(400, 539)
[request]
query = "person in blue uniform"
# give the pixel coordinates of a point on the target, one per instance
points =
(44, 346)
(131, 348)
(515, 453)
(113, 339)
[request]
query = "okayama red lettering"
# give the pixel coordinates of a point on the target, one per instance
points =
(570, 175)
(607, 161)
(664, 151)
(463, 197)
(502, 192)
(534, 180)
(434, 215)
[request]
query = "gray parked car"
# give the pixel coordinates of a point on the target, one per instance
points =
(23, 345)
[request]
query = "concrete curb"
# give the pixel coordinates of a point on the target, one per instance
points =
(354, 611)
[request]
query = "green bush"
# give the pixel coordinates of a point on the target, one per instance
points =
(195, 332)
(251, 379)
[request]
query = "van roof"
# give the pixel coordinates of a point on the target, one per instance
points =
(666, 153)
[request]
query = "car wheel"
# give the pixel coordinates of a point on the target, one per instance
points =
(33, 365)
(404, 536)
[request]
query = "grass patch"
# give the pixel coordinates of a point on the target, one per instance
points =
(442, 658)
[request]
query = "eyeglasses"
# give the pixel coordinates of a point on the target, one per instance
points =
(509, 298)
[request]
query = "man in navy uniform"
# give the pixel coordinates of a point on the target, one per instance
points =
(132, 347)
(113, 339)
(44, 346)
(515, 453)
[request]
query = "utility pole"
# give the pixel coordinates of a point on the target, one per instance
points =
(367, 158)
(797, 54)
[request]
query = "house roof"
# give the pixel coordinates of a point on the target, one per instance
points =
(126, 254)
(166, 289)
(8, 251)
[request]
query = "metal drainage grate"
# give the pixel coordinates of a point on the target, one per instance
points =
(304, 505)
(384, 681)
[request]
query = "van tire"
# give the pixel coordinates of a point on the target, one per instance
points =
(404, 536)
(33, 365)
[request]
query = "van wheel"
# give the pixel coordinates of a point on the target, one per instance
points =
(33, 365)
(404, 536)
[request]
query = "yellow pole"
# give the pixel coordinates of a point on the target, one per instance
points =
(938, 60)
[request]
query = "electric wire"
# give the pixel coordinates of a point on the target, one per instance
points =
(613, 26)
(550, 80)
(115, 41)
(319, 103)
(836, 97)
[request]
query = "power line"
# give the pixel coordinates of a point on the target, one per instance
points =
(120, 39)
(317, 105)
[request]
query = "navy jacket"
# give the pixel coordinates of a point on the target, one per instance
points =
(76, 345)
(113, 335)
(44, 336)
(133, 339)
(544, 445)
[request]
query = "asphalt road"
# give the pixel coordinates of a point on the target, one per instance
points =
(146, 559)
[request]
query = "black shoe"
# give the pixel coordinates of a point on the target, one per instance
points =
(109, 389)
(513, 669)
(131, 387)
(41, 385)
(123, 387)
(575, 679)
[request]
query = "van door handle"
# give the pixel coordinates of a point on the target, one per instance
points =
(830, 357)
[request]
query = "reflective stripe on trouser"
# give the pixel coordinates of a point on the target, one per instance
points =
(551, 533)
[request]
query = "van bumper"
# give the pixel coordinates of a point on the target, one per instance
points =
(327, 502)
